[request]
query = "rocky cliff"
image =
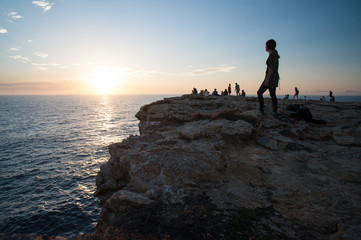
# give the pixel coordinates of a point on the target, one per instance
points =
(216, 168)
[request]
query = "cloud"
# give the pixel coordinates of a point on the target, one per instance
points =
(352, 91)
(3, 30)
(211, 70)
(45, 64)
(20, 58)
(15, 49)
(145, 72)
(142, 71)
(13, 84)
(30, 41)
(149, 72)
(317, 91)
(24, 86)
(14, 15)
(83, 64)
(43, 4)
(197, 72)
(42, 55)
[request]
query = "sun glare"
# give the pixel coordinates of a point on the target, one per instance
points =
(104, 81)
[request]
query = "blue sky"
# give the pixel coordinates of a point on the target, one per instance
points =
(168, 46)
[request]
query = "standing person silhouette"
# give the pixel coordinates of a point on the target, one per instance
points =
(332, 98)
(296, 93)
(237, 88)
(229, 89)
(272, 77)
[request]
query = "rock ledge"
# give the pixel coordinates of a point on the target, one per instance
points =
(216, 161)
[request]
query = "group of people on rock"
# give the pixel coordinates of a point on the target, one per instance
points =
(297, 92)
(269, 83)
(227, 91)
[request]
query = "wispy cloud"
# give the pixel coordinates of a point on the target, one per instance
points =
(15, 49)
(352, 91)
(317, 91)
(83, 64)
(14, 15)
(13, 84)
(142, 71)
(24, 85)
(20, 58)
(197, 72)
(42, 55)
(145, 72)
(30, 41)
(150, 72)
(210, 70)
(43, 4)
(45, 64)
(3, 30)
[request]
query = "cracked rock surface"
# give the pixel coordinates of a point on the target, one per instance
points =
(223, 150)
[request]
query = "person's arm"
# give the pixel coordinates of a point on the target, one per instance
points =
(271, 68)
(269, 74)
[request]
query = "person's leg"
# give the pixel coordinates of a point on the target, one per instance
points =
(260, 92)
(272, 92)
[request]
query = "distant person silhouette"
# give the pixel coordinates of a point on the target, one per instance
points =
(206, 93)
(215, 92)
(243, 93)
(296, 93)
(237, 88)
(272, 77)
(229, 89)
(332, 98)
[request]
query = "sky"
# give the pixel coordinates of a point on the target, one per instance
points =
(168, 47)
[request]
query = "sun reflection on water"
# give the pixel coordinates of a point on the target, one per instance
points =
(51, 150)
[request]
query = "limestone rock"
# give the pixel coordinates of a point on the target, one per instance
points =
(215, 129)
(194, 152)
(348, 135)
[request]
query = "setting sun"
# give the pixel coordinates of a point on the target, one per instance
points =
(104, 80)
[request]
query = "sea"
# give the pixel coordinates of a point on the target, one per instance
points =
(51, 149)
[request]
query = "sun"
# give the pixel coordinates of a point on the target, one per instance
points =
(104, 80)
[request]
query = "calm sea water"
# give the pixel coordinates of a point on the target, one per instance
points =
(51, 148)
